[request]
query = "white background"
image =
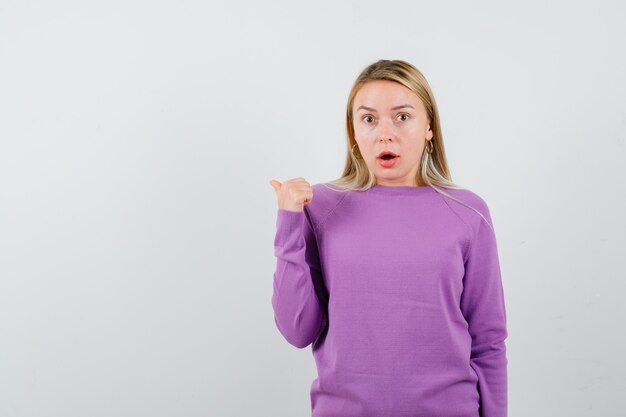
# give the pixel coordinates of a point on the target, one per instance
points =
(137, 141)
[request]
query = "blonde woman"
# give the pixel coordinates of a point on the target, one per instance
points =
(391, 271)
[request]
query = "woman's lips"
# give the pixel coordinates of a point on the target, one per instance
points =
(387, 163)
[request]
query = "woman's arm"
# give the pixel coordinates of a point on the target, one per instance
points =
(297, 311)
(482, 304)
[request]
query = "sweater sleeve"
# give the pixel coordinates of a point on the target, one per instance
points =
(298, 313)
(482, 304)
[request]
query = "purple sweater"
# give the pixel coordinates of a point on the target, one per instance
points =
(398, 291)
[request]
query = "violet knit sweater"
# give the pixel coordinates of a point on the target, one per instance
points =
(398, 291)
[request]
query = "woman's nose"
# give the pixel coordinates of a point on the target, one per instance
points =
(386, 130)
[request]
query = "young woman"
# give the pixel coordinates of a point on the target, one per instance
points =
(391, 272)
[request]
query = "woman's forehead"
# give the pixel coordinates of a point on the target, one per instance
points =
(383, 95)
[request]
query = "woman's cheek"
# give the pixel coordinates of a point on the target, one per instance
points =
(367, 133)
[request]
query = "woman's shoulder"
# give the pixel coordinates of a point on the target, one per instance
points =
(471, 207)
(468, 195)
(326, 197)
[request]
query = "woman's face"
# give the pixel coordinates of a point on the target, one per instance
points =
(390, 117)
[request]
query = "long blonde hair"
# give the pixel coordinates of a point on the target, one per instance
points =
(433, 170)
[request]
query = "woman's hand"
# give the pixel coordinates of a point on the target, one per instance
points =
(293, 194)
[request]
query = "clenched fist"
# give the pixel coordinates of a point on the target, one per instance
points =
(293, 194)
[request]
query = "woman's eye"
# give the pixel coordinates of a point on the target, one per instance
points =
(367, 117)
(404, 114)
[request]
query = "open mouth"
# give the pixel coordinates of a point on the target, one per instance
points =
(387, 155)
(387, 159)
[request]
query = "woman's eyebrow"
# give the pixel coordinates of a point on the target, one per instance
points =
(393, 108)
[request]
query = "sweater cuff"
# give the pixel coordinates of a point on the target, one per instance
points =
(288, 221)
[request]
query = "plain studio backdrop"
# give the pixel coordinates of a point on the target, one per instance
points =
(137, 222)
